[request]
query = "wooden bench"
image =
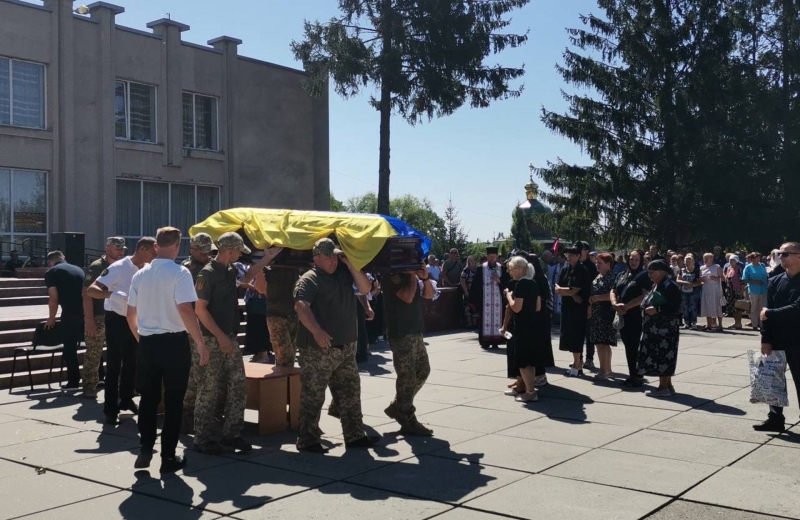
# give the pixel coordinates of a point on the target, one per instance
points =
(271, 390)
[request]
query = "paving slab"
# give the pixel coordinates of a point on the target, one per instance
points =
(688, 396)
(512, 453)
(451, 394)
(438, 478)
(632, 471)
(66, 448)
(687, 362)
(579, 388)
(375, 408)
(575, 433)
(9, 418)
(682, 510)
(689, 448)
(542, 496)
(713, 351)
(29, 430)
(715, 426)
(713, 378)
(38, 492)
(544, 406)
(241, 486)
(124, 505)
(622, 415)
(343, 501)
(736, 366)
(474, 419)
(738, 405)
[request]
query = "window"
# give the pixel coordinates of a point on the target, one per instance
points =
(21, 93)
(135, 111)
(23, 209)
(143, 207)
(199, 122)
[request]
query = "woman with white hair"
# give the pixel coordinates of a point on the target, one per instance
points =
(711, 305)
(525, 302)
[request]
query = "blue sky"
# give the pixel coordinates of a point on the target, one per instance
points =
(479, 157)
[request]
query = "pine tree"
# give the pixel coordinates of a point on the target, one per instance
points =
(455, 236)
(520, 231)
(424, 57)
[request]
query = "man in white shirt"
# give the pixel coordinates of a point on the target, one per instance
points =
(159, 315)
(434, 271)
(113, 285)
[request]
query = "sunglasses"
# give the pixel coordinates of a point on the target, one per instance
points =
(785, 254)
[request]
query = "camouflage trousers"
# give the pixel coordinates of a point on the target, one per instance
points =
(282, 332)
(222, 387)
(94, 354)
(321, 368)
(411, 364)
(190, 396)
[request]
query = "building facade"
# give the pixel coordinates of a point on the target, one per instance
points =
(110, 130)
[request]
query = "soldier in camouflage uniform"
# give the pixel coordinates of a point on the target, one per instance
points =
(94, 324)
(221, 383)
(200, 248)
(402, 297)
(327, 336)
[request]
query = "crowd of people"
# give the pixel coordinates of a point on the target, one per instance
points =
(171, 330)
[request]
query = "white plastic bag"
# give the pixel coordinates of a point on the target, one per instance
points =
(768, 378)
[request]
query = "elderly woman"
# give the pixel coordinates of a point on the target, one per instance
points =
(710, 305)
(573, 286)
(690, 291)
(601, 315)
(734, 279)
(525, 302)
(658, 352)
(626, 298)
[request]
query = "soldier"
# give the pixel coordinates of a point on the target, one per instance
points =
(281, 318)
(113, 285)
(327, 337)
(94, 317)
(222, 381)
(200, 248)
(403, 294)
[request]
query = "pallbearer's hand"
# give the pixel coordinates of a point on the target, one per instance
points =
(202, 351)
(226, 345)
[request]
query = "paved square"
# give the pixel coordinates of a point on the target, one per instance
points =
(585, 450)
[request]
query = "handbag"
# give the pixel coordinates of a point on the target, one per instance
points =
(619, 322)
(742, 305)
(658, 299)
(723, 301)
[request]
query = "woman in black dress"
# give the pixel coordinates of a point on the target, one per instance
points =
(658, 352)
(573, 287)
(525, 302)
(543, 321)
(626, 298)
(601, 315)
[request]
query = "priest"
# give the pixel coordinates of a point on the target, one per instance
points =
(487, 297)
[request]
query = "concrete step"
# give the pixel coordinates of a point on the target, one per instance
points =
(31, 272)
(15, 336)
(21, 282)
(19, 323)
(23, 300)
(12, 292)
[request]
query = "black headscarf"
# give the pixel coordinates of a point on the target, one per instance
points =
(660, 265)
(639, 269)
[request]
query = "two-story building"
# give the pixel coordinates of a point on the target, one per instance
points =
(110, 130)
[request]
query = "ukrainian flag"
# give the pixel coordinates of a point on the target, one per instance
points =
(361, 236)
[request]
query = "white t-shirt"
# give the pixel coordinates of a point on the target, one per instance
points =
(434, 272)
(156, 291)
(117, 279)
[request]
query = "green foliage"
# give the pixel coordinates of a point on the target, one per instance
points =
(336, 205)
(455, 236)
(519, 230)
(425, 59)
(691, 124)
(476, 249)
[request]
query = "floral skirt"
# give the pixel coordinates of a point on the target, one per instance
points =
(658, 350)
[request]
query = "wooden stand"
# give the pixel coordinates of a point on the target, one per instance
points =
(275, 392)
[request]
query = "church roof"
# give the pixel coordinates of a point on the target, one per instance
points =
(534, 206)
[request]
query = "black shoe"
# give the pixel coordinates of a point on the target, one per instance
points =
(101, 384)
(112, 419)
(209, 448)
(364, 442)
(172, 464)
(485, 347)
(71, 387)
(333, 411)
(771, 425)
(130, 406)
(362, 359)
(237, 444)
(144, 458)
(314, 448)
(495, 346)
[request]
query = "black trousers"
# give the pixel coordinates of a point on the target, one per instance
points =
(72, 334)
(363, 338)
(120, 363)
(793, 360)
(256, 339)
(631, 335)
(164, 359)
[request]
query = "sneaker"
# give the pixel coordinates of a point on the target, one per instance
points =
(89, 393)
(130, 406)
(572, 372)
(172, 464)
(144, 458)
(364, 442)
(209, 448)
(540, 381)
(511, 393)
(527, 397)
(237, 444)
(600, 376)
(770, 425)
(314, 448)
(660, 392)
(391, 411)
(416, 428)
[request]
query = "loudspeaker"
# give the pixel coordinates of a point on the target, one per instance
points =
(72, 244)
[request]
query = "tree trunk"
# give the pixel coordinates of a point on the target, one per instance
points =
(385, 108)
